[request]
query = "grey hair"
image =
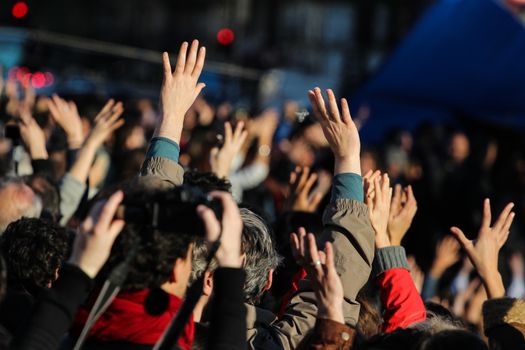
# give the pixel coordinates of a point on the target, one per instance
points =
(436, 323)
(22, 202)
(261, 255)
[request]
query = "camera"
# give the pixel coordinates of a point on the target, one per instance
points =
(173, 210)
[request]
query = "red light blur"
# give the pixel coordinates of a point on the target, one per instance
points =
(225, 36)
(20, 9)
(38, 80)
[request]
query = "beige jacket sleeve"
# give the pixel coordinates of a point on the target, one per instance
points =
(163, 170)
(347, 226)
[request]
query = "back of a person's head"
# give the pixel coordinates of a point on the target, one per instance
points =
(156, 250)
(454, 340)
(261, 256)
(49, 193)
(439, 319)
(17, 200)
(34, 250)
(206, 181)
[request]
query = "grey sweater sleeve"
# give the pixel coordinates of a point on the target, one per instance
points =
(71, 192)
(390, 258)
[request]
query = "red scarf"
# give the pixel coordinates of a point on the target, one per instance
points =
(126, 320)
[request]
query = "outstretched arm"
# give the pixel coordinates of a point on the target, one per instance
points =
(179, 90)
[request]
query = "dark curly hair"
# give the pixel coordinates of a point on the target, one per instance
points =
(157, 250)
(207, 181)
(34, 250)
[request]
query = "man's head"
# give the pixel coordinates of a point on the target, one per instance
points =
(34, 250)
(17, 200)
(260, 256)
(162, 259)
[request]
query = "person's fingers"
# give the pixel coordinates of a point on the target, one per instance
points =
(294, 244)
(332, 106)
(302, 242)
(379, 191)
(199, 88)
(167, 66)
(302, 179)
(55, 114)
(228, 133)
(313, 255)
(105, 110)
(117, 125)
(322, 257)
(211, 223)
(242, 139)
(368, 174)
(320, 104)
(315, 199)
(238, 130)
(309, 183)
(199, 65)
(192, 57)
(108, 211)
(508, 222)
(181, 59)
(313, 101)
(395, 204)
(385, 188)
(487, 217)
(293, 178)
(346, 117)
(330, 263)
(116, 112)
(460, 236)
(502, 239)
(503, 217)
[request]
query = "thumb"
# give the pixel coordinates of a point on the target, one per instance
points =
(460, 236)
(211, 224)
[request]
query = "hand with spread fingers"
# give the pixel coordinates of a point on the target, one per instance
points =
(484, 251)
(378, 202)
(180, 88)
(65, 114)
(339, 130)
(221, 159)
(32, 134)
(402, 211)
(300, 197)
(229, 230)
(106, 121)
(96, 236)
(447, 254)
(320, 265)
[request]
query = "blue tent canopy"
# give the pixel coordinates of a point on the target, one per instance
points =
(464, 57)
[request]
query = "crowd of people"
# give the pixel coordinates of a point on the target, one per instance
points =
(206, 226)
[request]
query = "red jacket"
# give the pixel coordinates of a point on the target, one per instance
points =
(126, 320)
(401, 300)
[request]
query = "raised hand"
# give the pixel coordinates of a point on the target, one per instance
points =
(96, 236)
(447, 254)
(32, 134)
(378, 202)
(327, 284)
(339, 130)
(402, 211)
(484, 251)
(221, 159)
(106, 121)
(65, 114)
(179, 89)
(300, 198)
(229, 229)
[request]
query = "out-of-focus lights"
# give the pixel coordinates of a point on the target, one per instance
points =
(225, 36)
(20, 10)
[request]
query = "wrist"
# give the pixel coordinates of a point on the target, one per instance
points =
(382, 241)
(170, 132)
(333, 313)
(229, 260)
(348, 164)
(38, 153)
(493, 284)
(437, 271)
(75, 142)
(88, 270)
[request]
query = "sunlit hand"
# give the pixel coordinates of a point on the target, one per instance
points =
(65, 114)
(32, 134)
(484, 251)
(447, 254)
(320, 265)
(378, 202)
(179, 89)
(229, 253)
(300, 198)
(221, 159)
(402, 212)
(96, 236)
(339, 130)
(106, 121)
